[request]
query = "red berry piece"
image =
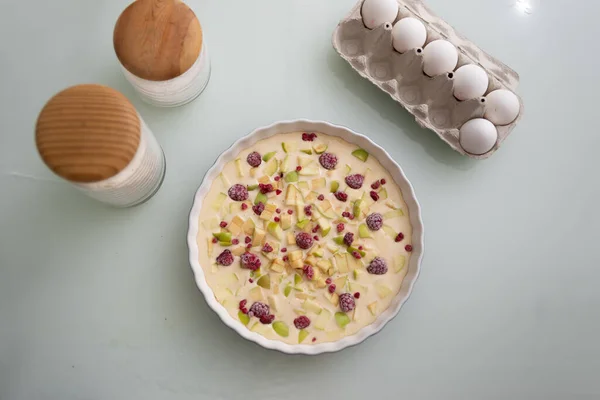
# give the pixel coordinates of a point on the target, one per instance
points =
(328, 160)
(350, 217)
(313, 136)
(278, 210)
(347, 303)
(251, 280)
(340, 227)
(249, 246)
(283, 250)
(277, 178)
(316, 238)
(254, 159)
(247, 239)
(399, 237)
(355, 181)
(225, 258)
(267, 248)
(341, 196)
(314, 339)
(290, 212)
(348, 238)
(378, 266)
(244, 206)
(315, 229)
(250, 261)
(374, 195)
(309, 271)
(259, 309)
(305, 137)
(360, 247)
(223, 224)
(345, 214)
(307, 210)
(382, 181)
(265, 187)
(357, 295)
(331, 288)
(214, 240)
(375, 185)
(328, 281)
(267, 319)
(243, 303)
(235, 241)
(285, 258)
(276, 219)
(356, 255)
(298, 168)
(238, 192)
(408, 247)
(303, 240)
(258, 208)
(321, 197)
(278, 192)
(302, 322)
(374, 221)
(244, 310)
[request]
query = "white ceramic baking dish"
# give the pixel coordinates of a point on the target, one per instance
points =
(386, 161)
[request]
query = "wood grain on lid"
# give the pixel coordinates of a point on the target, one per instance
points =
(87, 133)
(157, 40)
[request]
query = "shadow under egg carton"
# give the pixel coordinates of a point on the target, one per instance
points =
(429, 99)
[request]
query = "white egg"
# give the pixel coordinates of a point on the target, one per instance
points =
(439, 57)
(478, 136)
(378, 12)
(470, 81)
(501, 107)
(408, 33)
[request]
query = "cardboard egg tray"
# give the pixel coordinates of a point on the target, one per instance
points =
(429, 99)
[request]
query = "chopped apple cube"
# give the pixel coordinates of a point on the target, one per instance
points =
(389, 231)
(361, 154)
(287, 290)
(320, 148)
(211, 223)
(295, 255)
(311, 197)
(325, 226)
(324, 265)
(309, 170)
(256, 293)
(291, 239)
(363, 231)
(238, 251)
(297, 264)
(399, 263)
(355, 287)
(272, 302)
(323, 319)
(342, 319)
(238, 166)
(209, 245)
(270, 207)
(320, 283)
(291, 176)
(393, 214)
(286, 221)
(382, 290)
(244, 318)
(311, 260)
(302, 334)
(274, 229)
(341, 262)
(248, 227)
(284, 166)
(304, 296)
(289, 147)
(278, 265)
(383, 194)
(340, 283)
(373, 308)
(311, 306)
(318, 183)
(271, 167)
(266, 215)
(281, 328)
(218, 203)
(225, 181)
(303, 161)
(303, 185)
(334, 298)
(259, 237)
(290, 195)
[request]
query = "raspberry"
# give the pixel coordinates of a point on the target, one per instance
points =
(349, 238)
(382, 181)
(225, 258)
(247, 239)
(250, 261)
(302, 322)
(244, 310)
(356, 255)
(298, 168)
(347, 303)
(277, 178)
(331, 288)
(265, 188)
(328, 281)
(310, 273)
(276, 219)
(243, 303)
(340, 227)
(399, 237)
(378, 266)
(258, 208)
(408, 247)
(316, 238)
(290, 212)
(267, 319)
(278, 210)
(345, 214)
(305, 137)
(350, 217)
(214, 240)
(267, 248)
(321, 197)
(315, 229)
(254, 159)
(259, 309)
(303, 240)
(328, 160)
(357, 295)
(283, 250)
(374, 195)
(374, 221)
(341, 196)
(307, 210)
(223, 224)
(375, 185)
(249, 246)
(244, 206)
(355, 181)
(238, 192)
(235, 241)
(313, 136)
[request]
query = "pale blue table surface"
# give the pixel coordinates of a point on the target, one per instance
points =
(98, 303)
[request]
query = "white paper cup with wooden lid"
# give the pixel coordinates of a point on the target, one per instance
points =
(93, 137)
(160, 46)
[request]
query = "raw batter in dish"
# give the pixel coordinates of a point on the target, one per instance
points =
(306, 238)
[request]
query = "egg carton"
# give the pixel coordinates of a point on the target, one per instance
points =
(429, 99)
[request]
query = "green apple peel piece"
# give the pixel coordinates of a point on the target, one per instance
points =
(269, 155)
(244, 319)
(302, 335)
(361, 154)
(342, 319)
(281, 328)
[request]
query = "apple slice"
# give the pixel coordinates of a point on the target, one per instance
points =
(303, 161)
(399, 263)
(311, 197)
(341, 262)
(284, 166)
(382, 290)
(342, 319)
(338, 240)
(264, 282)
(271, 167)
(334, 186)
(303, 185)
(361, 154)
(266, 215)
(291, 176)
(287, 290)
(290, 195)
(348, 169)
(324, 265)
(302, 334)
(373, 308)
(309, 170)
(252, 187)
(356, 274)
(320, 148)
(258, 237)
(355, 287)
(340, 283)
(281, 328)
(238, 167)
(244, 318)
(225, 181)
(223, 236)
(334, 298)
(291, 239)
(323, 319)
(318, 183)
(325, 226)
(274, 229)
(311, 306)
(383, 194)
(277, 265)
(286, 221)
(289, 147)
(256, 294)
(389, 231)
(358, 208)
(306, 151)
(352, 249)
(248, 227)
(393, 214)
(333, 249)
(209, 245)
(325, 212)
(218, 203)
(268, 155)
(363, 231)
(260, 198)
(211, 223)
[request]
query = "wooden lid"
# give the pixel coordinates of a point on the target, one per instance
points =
(157, 40)
(87, 133)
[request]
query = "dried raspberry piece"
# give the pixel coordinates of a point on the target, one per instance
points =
(356, 255)
(328, 281)
(278, 192)
(243, 303)
(254, 159)
(340, 227)
(214, 240)
(276, 219)
(345, 214)
(244, 310)
(247, 239)
(283, 250)
(310, 273)
(235, 241)
(355, 181)
(315, 229)
(303, 240)
(399, 237)
(244, 206)
(316, 238)
(277, 178)
(382, 181)
(305, 137)
(251, 280)
(374, 195)
(258, 208)
(259, 309)
(347, 303)
(290, 212)
(267, 248)
(250, 261)
(341, 196)
(225, 258)
(267, 319)
(238, 192)
(302, 322)
(357, 295)
(265, 188)
(285, 258)
(328, 160)
(299, 168)
(331, 288)
(321, 197)
(374, 221)
(375, 185)
(313, 136)
(278, 210)
(378, 266)
(223, 224)
(408, 247)
(349, 238)
(307, 210)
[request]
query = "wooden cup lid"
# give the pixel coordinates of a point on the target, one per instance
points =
(157, 40)
(87, 133)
